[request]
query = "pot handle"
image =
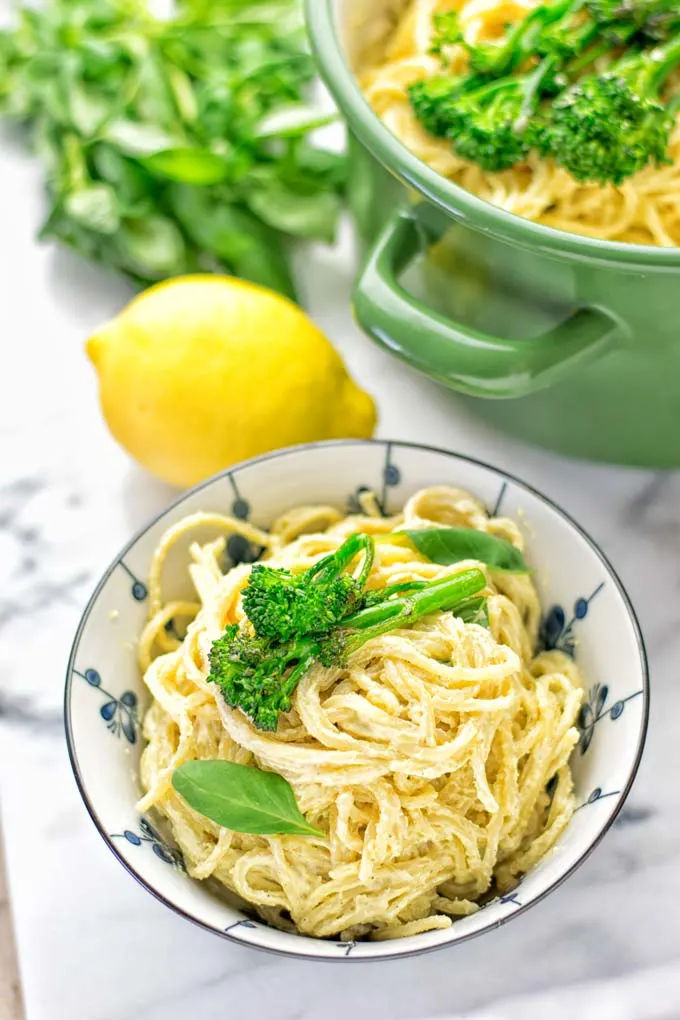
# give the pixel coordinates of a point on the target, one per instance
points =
(465, 359)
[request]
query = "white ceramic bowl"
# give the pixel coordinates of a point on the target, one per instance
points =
(587, 614)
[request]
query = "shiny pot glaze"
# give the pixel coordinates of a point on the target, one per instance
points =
(575, 338)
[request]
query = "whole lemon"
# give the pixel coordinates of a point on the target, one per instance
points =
(200, 372)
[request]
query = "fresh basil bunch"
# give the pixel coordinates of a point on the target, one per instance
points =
(178, 145)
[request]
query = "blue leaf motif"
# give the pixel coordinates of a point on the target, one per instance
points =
(499, 501)
(127, 725)
(161, 849)
(109, 710)
(148, 829)
(580, 609)
(552, 627)
(119, 714)
(617, 709)
(240, 550)
(138, 589)
(511, 897)
(586, 739)
(164, 853)
(243, 923)
(392, 475)
(347, 946)
(557, 632)
(240, 509)
(594, 709)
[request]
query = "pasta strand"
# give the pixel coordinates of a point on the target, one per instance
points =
(425, 759)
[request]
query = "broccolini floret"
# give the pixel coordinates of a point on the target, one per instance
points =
(556, 83)
(280, 604)
(259, 674)
(491, 122)
(497, 59)
(608, 126)
(494, 124)
(638, 13)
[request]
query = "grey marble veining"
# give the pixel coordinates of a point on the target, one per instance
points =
(93, 945)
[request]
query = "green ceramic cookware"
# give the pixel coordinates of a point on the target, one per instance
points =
(567, 341)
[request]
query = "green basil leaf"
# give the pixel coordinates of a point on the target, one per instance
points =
(293, 121)
(94, 207)
(88, 112)
(152, 247)
(211, 96)
(328, 168)
(71, 233)
(450, 545)
(136, 139)
(183, 93)
(153, 100)
(242, 798)
(188, 166)
(130, 182)
(247, 246)
(312, 216)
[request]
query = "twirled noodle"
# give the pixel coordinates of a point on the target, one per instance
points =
(425, 760)
(645, 209)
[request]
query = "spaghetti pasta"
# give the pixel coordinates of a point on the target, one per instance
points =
(645, 209)
(425, 760)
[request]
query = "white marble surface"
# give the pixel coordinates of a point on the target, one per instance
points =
(94, 946)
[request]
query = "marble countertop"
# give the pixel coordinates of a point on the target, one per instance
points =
(10, 995)
(94, 946)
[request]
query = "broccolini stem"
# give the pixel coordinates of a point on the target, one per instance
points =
(382, 594)
(520, 41)
(532, 87)
(296, 674)
(443, 596)
(434, 597)
(336, 562)
(646, 71)
(369, 556)
(665, 60)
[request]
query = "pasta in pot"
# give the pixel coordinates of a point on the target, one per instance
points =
(645, 209)
(424, 761)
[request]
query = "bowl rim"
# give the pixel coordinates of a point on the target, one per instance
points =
(292, 450)
(392, 153)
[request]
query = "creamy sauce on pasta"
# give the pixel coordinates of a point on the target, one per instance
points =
(425, 760)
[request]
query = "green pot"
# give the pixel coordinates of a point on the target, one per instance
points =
(570, 342)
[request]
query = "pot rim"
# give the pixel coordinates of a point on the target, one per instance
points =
(450, 197)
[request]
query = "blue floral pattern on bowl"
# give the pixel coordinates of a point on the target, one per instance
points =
(238, 548)
(119, 713)
(390, 477)
(162, 849)
(138, 590)
(593, 710)
(557, 633)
